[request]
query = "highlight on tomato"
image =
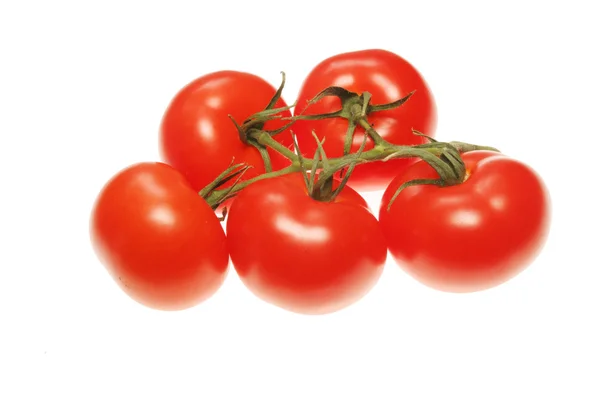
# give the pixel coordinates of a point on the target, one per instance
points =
(159, 240)
(472, 236)
(198, 135)
(304, 255)
(387, 77)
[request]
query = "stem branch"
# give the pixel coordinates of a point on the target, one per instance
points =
(443, 157)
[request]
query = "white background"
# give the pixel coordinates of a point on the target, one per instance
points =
(82, 89)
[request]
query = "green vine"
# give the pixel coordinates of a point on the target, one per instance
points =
(444, 157)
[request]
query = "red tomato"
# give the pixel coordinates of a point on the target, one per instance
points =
(472, 236)
(158, 238)
(300, 254)
(198, 138)
(388, 78)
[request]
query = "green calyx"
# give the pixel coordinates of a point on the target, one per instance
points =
(355, 108)
(256, 122)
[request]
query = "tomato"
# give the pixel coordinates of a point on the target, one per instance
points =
(198, 138)
(388, 78)
(300, 254)
(472, 236)
(158, 239)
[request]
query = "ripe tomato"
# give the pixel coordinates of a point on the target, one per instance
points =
(471, 236)
(388, 78)
(158, 238)
(198, 138)
(300, 254)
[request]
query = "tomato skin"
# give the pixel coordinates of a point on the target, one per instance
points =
(303, 255)
(388, 78)
(159, 240)
(472, 236)
(198, 138)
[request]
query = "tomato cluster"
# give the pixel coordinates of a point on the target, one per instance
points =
(298, 232)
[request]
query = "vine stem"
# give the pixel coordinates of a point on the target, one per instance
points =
(443, 157)
(377, 139)
(430, 152)
(382, 152)
(216, 197)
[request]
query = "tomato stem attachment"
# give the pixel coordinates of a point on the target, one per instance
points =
(356, 109)
(257, 121)
(449, 166)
